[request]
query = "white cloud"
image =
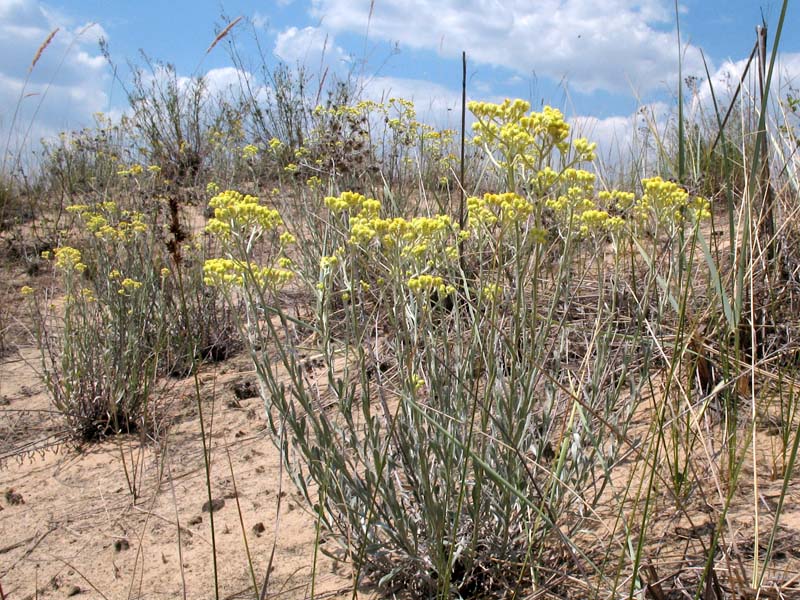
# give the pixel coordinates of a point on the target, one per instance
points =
(227, 83)
(726, 78)
(260, 20)
(65, 88)
(625, 139)
(613, 135)
(615, 45)
(225, 79)
(311, 47)
(230, 83)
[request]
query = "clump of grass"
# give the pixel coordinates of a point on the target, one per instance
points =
(86, 161)
(14, 209)
(180, 127)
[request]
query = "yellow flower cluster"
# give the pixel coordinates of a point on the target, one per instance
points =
(347, 201)
(128, 286)
(621, 200)
(592, 220)
(242, 212)
(544, 180)
(578, 197)
(329, 262)
(249, 151)
(584, 149)
(507, 208)
(491, 292)
(361, 230)
(69, 259)
(522, 137)
(667, 201)
(509, 110)
(134, 170)
(106, 222)
(361, 108)
(271, 277)
(222, 272)
(364, 221)
(393, 232)
(422, 284)
(417, 243)
(226, 272)
(411, 237)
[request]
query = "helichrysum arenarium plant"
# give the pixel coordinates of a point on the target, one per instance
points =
(100, 362)
(123, 326)
(462, 449)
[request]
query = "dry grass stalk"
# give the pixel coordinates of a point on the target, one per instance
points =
(223, 33)
(41, 49)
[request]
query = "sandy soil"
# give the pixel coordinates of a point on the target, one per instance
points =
(70, 526)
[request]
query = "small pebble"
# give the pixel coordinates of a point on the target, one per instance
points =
(213, 505)
(14, 498)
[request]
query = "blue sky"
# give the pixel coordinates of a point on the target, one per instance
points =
(597, 60)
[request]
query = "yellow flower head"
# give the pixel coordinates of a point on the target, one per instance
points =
(69, 259)
(425, 284)
(131, 284)
(233, 210)
(249, 151)
(491, 292)
(329, 262)
(667, 202)
(504, 208)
